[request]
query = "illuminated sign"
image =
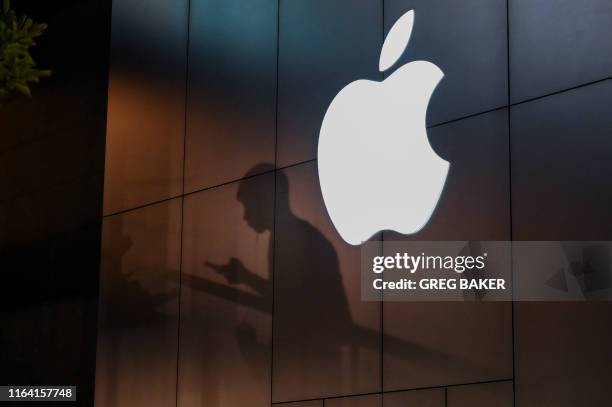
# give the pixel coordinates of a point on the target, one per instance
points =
(377, 169)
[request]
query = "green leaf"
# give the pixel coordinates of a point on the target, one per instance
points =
(17, 67)
(23, 89)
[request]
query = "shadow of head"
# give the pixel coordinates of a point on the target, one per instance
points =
(254, 196)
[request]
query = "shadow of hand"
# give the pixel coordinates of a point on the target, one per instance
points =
(233, 271)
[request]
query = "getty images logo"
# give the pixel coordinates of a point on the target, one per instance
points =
(376, 167)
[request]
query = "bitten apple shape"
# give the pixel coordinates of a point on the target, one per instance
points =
(377, 170)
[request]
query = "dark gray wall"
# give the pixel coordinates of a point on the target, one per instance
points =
(216, 240)
(51, 184)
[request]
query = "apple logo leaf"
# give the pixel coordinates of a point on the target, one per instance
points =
(396, 41)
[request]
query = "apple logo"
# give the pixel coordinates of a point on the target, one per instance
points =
(377, 170)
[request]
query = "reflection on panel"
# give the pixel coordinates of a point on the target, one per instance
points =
(415, 398)
(324, 45)
(138, 307)
(326, 340)
(145, 129)
(232, 89)
(467, 40)
(563, 353)
(561, 166)
(374, 400)
(482, 395)
(558, 44)
(226, 295)
(475, 202)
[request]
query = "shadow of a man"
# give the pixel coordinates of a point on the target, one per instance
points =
(311, 313)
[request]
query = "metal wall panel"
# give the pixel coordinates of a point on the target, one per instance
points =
(475, 201)
(226, 295)
(373, 400)
(146, 103)
(138, 307)
(416, 398)
(326, 340)
(498, 394)
(232, 89)
(323, 46)
(433, 344)
(561, 166)
(558, 44)
(467, 40)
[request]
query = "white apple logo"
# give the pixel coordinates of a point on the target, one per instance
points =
(377, 169)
